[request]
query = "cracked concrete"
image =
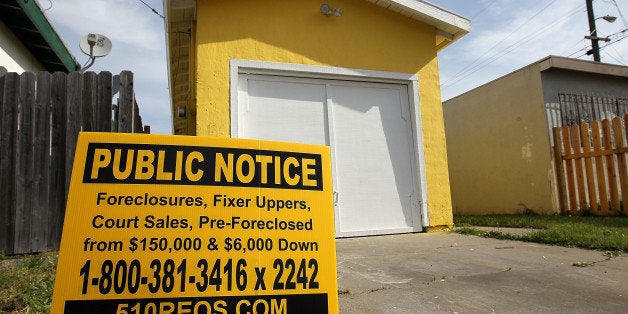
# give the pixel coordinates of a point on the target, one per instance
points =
(453, 273)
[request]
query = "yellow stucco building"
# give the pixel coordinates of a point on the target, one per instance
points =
(359, 76)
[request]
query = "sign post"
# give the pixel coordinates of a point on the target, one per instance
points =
(197, 225)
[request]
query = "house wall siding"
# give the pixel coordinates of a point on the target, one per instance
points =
(571, 82)
(14, 56)
(564, 81)
(365, 37)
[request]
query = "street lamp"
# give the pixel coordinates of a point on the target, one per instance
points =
(608, 18)
(595, 46)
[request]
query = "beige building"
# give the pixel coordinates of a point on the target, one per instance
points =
(498, 135)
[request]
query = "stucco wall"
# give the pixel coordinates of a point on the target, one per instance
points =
(365, 37)
(498, 146)
(13, 54)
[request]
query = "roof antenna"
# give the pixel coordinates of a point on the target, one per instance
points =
(94, 45)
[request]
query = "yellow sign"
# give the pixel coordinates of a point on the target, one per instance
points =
(197, 225)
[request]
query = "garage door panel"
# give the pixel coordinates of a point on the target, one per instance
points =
(368, 128)
(273, 107)
(371, 144)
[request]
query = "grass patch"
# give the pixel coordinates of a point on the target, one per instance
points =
(589, 232)
(26, 283)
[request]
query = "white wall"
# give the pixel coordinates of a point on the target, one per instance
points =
(13, 54)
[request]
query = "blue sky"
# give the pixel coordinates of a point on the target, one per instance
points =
(509, 34)
(137, 36)
(505, 35)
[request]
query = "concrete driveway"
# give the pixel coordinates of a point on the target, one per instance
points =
(453, 273)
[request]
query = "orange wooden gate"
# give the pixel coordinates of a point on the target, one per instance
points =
(590, 167)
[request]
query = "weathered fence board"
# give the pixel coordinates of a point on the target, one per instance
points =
(588, 164)
(24, 160)
(8, 140)
(57, 158)
(41, 115)
(571, 187)
(73, 121)
(590, 167)
(125, 101)
(41, 168)
(104, 100)
(599, 167)
(89, 92)
(611, 174)
(577, 149)
(621, 161)
(559, 172)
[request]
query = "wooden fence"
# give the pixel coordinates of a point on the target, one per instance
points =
(41, 115)
(590, 167)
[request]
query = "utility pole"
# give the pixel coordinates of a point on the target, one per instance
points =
(595, 50)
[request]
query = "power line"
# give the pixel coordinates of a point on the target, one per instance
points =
(506, 50)
(608, 54)
(580, 41)
(610, 43)
(151, 8)
(620, 32)
(583, 49)
(588, 47)
(484, 9)
(616, 41)
(623, 19)
(473, 64)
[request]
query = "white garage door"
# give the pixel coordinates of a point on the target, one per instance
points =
(367, 125)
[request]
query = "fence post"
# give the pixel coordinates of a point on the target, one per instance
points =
(125, 103)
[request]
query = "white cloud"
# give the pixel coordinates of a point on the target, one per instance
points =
(495, 43)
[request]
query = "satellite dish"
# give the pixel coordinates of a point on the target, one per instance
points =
(95, 45)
